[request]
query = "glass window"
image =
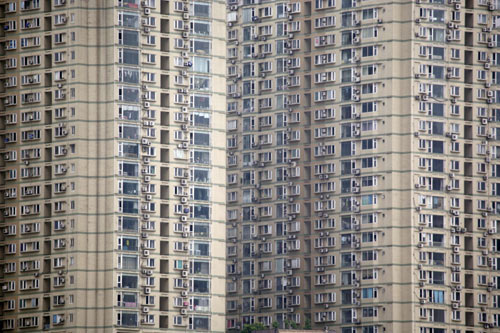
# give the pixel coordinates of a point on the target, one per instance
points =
(201, 157)
(128, 112)
(130, 187)
(129, 56)
(129, 244)
(129, 19)
(200, 28)
(201, 139)
(201, 249)
(130, 169)
(200, 83)
(201, 267)
(201, 46)
(130, 206)
(200, 323)
(128, 281)
(201, 193)
(129, 75)
(201, 9)
(128, 319)
(130, 150)
(201, 212)
(128, 37)
(128, 94)
(129, 261)
(201, 286)
(201, 119)
(129, 132)
(129, 223)
(201, 175)
(129, 3)
(200, 101)
(201, 64)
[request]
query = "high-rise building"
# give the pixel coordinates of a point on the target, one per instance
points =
(362, 165)
(112, 156)
(356, 177)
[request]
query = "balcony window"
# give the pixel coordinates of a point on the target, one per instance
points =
(129, 206)
(128, 56)
(130, 150)
(127, 300)
(200, 267)
(128, 19)
(128, 132)
(128, 244)
(201, 175)
(200, 157)
(201, 193)
(200, 139)
(201, 28)
(127, 223)
(129, 187)
(201, 64)
(201, 46)
(128, 37)
(127, 281)
(129, 169)
(201, 249)
(201, 119)
(129, 262)
(200, 101)
(201, 286)
(200, 304)
(129, 75)
(200, 9)
(128, 319)
(128, 94)
(201, 212)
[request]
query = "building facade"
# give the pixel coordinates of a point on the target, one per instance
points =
(113, 129)
(199, 166)
(362, 165)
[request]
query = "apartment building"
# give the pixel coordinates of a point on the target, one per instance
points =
(362, 166)
(112, 153)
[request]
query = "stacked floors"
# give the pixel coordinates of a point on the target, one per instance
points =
(361, 165)
(112, 154)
